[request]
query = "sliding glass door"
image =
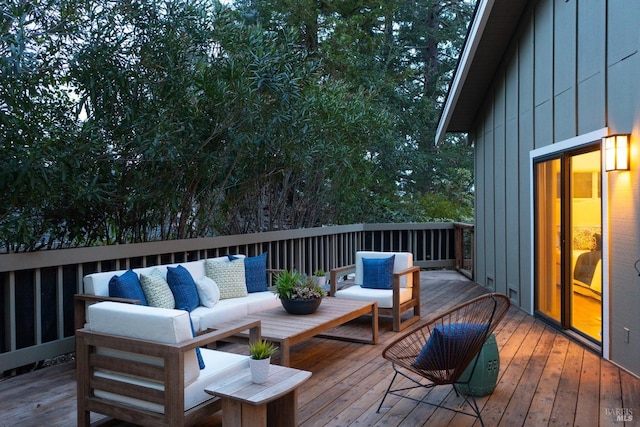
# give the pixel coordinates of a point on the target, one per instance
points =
(568, 230)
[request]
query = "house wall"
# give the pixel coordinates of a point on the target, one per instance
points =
(572, 68)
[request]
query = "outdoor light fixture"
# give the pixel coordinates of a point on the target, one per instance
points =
(616, 152)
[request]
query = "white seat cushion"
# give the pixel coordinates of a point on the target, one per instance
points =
(218, 365)
(384, 297)
(230, 309)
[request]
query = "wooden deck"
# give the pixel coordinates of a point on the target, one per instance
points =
(545, 379)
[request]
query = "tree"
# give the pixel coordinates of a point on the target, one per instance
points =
(136, 121)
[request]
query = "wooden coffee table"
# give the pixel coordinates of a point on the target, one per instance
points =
(286, 329)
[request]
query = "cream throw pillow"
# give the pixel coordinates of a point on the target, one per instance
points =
(208, 291)
(229, 276)
(156, 290)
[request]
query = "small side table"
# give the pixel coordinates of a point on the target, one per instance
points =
(274, 403)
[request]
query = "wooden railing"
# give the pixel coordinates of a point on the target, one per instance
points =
(38, 287)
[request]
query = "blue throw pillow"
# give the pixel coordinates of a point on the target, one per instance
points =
(255, 273)
(127, 286)
(198, 352)
(377, 273)
(446, 341)
(183, 287)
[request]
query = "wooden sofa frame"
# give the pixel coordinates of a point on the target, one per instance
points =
(396, 311)
(171, 375)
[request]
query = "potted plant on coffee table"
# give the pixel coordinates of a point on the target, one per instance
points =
(298, 293)
(320, 276)
(260, 352)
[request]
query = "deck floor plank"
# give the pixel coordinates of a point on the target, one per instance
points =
(589, 393)
(568, 386)
(545, 379)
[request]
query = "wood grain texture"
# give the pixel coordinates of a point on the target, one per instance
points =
(349, 379)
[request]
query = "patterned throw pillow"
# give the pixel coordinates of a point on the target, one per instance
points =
(156, 289)
(208, 291)
(183, 288)
(229, 275)
(377, 273)
(127, 286)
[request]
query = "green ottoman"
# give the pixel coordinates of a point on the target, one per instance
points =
(485, 377)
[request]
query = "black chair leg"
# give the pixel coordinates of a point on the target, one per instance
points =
(387, 392)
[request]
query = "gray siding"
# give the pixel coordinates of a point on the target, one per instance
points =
(573, 68)
(623, 100)
(591, 67)
(500, 165)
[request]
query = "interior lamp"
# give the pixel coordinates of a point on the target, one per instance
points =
(616, 152)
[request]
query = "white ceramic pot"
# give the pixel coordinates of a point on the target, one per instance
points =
(259, 370)
(320, 280)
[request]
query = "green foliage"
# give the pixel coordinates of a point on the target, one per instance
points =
(261, 349)
(137, 121)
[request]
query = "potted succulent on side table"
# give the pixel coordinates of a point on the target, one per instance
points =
(260, 361)
(298, 293)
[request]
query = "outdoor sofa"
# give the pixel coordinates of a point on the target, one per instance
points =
(241, 288)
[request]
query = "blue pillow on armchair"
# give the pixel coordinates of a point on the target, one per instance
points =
(377, 273)
(183, 287)
(447, 341)
(128, 286)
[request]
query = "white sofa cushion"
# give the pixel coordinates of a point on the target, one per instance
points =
(230, 309)
(149, 323)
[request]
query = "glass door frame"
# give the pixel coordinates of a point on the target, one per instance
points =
(548, 151)
(564, 183)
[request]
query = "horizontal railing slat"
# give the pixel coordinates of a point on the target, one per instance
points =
(434, 245)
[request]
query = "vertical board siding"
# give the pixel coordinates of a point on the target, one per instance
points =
(526, 138)
(623, 103)
(479, 204)
(543, 51)
(564, 70)
(500, 198)
(490, 208)
(591, 66)
(512, 246)
(573, 69)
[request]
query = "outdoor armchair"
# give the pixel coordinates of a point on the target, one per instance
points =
(389, 278)
(441, 350)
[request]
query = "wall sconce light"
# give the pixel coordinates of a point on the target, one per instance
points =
(616, 152)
